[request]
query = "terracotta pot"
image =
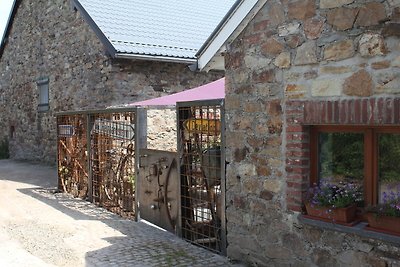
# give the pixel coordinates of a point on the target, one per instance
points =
(340, 215)
(386, 223)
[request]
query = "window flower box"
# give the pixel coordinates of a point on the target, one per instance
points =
(385, 217)
(337, 215)
(334, 202)
(384, 224)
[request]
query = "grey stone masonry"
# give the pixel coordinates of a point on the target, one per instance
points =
(49, 39)
(296, 64)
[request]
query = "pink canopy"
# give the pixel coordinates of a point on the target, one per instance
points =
(213, 90)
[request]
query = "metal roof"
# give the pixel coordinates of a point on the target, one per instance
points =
(6, 21)
(210, 55)
(172, 28)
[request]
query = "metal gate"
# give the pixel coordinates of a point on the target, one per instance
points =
(72, 156)
(158, 188)
(97, 155)
(112, 138)
(102, 153)
(202, 173)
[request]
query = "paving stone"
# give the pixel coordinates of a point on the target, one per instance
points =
(136, 244)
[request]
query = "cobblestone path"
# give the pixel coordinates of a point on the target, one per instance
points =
(39, 227)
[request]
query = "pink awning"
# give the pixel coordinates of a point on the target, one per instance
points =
(213, 90)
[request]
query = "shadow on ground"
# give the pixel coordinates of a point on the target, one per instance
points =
(35, 174)
(139, 244)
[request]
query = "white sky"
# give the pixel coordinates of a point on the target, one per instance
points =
(5, 7)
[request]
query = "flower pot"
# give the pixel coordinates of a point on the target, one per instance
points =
(337, 215)
(386, 224)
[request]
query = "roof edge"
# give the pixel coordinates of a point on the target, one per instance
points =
(13, 12)
(105, 41)
(232, 25)
(114, 53)
(155, 58)
(219, 26)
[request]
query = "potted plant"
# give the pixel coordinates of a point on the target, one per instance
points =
(334, 202)
(385, 217)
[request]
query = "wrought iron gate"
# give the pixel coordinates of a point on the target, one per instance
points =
(202, 173)
(182, 192)
(97, 155)
(72, 156)
(158, 188)
(112, 138)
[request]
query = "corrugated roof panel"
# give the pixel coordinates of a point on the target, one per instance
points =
(173, 28)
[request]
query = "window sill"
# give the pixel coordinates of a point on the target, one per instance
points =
(43, 108)
(357, 229)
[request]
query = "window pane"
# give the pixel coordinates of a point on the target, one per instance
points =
(44, 93)
(388, 164)
(341, 158)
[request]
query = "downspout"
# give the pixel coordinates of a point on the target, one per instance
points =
(194, 66)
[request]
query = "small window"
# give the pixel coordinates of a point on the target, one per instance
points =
(43, 88)
(12, 132)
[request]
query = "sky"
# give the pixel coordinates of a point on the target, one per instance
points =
(5, 7)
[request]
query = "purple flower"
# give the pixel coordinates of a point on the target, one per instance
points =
(335, 195)
(390, 205)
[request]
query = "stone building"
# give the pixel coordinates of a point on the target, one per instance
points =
(296, 69)
(72, 55)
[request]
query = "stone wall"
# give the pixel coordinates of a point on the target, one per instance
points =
(50, 39)
(161, 129)
(303, 62)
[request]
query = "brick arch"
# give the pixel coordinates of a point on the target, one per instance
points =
(300, 115)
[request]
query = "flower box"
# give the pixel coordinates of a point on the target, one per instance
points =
(337, 215)
(385, 224)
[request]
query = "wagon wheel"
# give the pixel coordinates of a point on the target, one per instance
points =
(126, 178)
(170, 202)
(109, 179)
(108, 184)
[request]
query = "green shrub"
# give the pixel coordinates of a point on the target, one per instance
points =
(4, 152)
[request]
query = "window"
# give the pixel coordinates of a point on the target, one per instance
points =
(367, 156)
(43, 88)
(388, 163)
(12, 132)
